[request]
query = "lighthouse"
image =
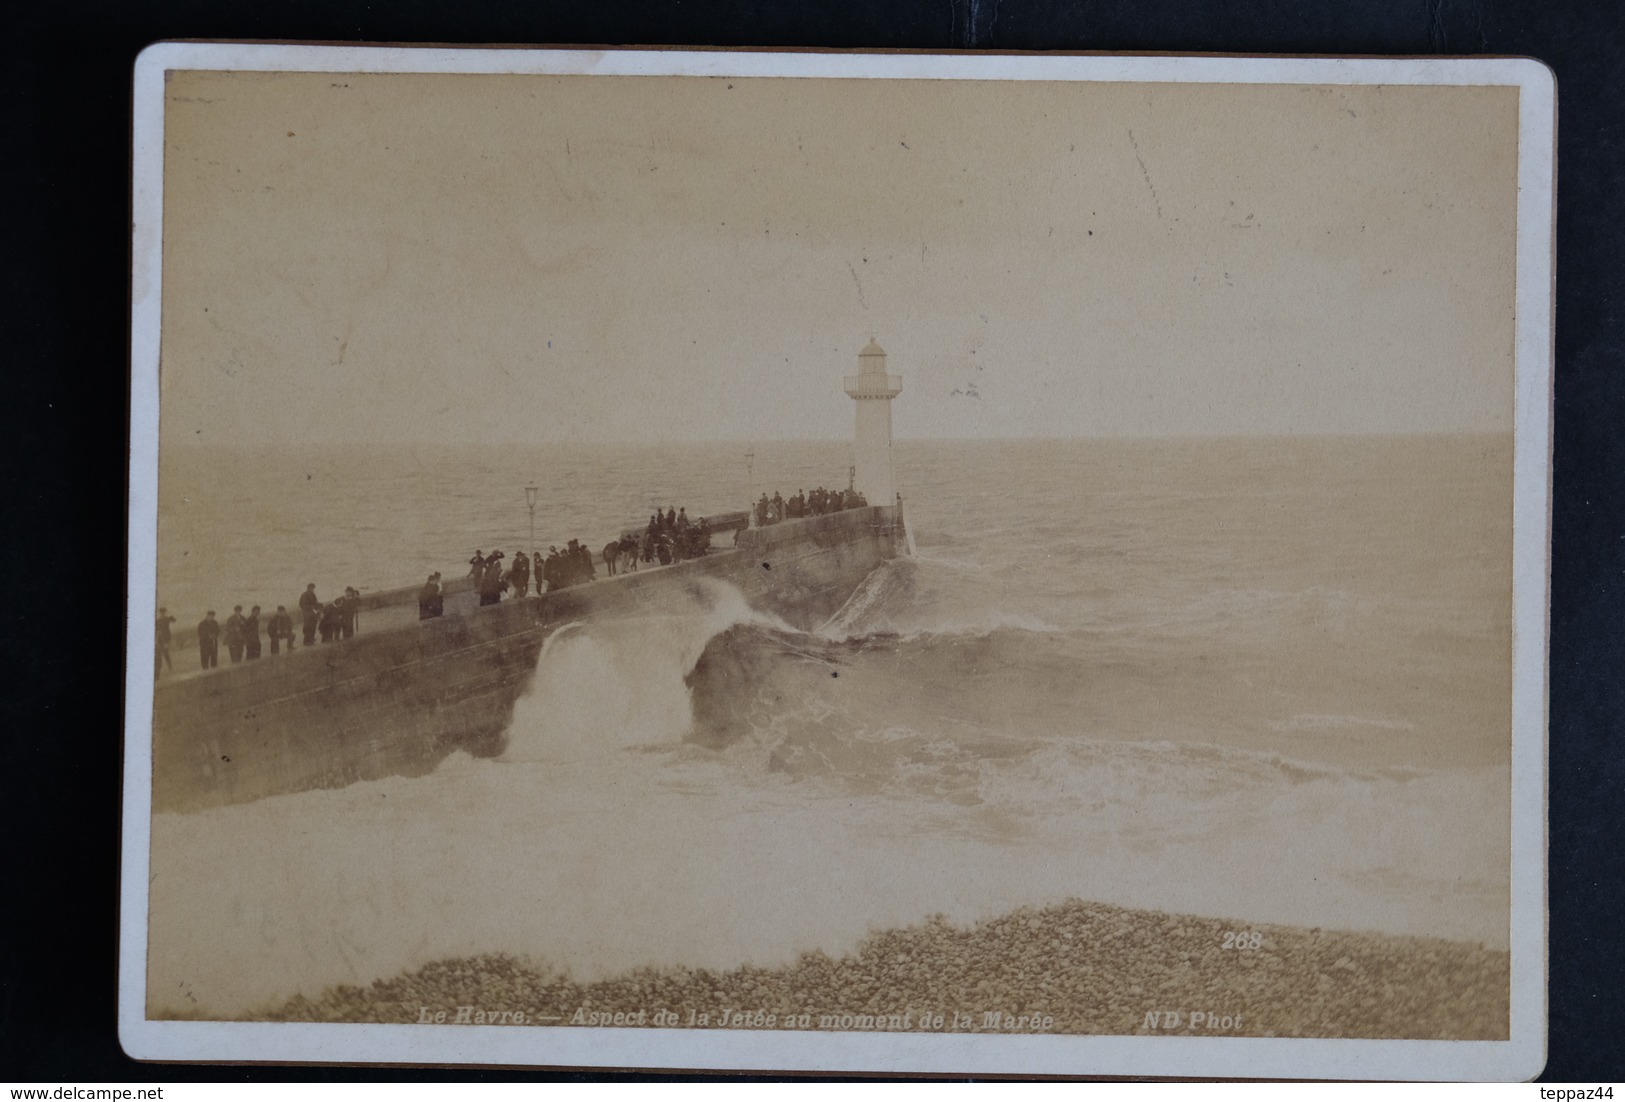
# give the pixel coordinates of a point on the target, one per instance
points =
(872, 390)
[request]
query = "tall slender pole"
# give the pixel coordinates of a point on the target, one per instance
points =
(530, 500)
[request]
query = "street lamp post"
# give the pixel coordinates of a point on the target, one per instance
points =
(530, 501)
(750, 488)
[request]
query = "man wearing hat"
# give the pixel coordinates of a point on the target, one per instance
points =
(519, 575)
(491, 581)
(280, 628)
(310, 606)
(161, 644)
(350, 608)
(251, 634)
(234, 633)
(208, 641)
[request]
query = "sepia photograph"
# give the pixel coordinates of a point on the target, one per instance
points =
(845, 562)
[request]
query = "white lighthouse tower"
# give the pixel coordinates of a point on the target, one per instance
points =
(872, 390)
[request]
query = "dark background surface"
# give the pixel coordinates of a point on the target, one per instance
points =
(66, 148)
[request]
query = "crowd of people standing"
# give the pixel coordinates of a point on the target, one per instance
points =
(491, 580)
(772, 510)
(669, 537)
(241, 633)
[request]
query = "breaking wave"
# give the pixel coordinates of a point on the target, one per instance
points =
(986, 728)
(613, 684)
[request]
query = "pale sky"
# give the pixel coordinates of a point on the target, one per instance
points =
(455, 258)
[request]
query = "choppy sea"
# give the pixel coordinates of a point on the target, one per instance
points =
(1263, 679)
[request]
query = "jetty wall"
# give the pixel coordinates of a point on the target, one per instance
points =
(396, 702)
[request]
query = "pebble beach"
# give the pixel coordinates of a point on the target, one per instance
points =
(1073, 968)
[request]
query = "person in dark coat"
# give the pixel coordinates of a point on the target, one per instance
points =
(476, 567)
(519, 574)
(581, 561)
(350, 609)
(426, 597)
(279, 628)
(332, 620)
(208, 641)
(310, 608)
(234, 633)
(160, 657)
(251, 634)
(491, 583)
